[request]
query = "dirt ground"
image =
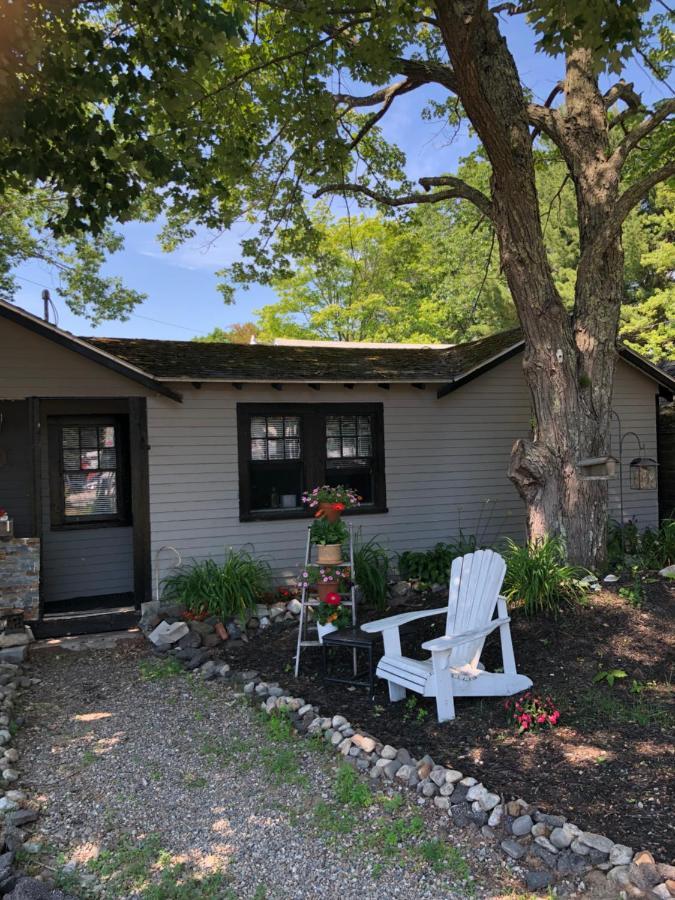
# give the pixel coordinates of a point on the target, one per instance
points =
(610, 762)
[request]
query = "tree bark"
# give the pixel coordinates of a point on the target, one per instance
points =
(569, 359)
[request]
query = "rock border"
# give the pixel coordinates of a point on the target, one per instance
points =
(544, 849)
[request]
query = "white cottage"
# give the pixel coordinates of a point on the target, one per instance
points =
(112, 449)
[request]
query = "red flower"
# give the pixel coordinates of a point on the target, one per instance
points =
(332, 599)
(338, 506)
(541, 719)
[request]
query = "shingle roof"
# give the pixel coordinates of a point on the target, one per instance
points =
(196, 361)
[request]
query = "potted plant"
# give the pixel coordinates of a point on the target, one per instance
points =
(331, 615)
(329, 537)
(330, 502)
(323, 579)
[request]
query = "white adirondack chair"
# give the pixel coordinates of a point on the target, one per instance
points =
(454, 670)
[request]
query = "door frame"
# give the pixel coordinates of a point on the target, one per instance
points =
(136, 410)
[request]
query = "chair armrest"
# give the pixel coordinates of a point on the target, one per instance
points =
(456, 640)
(402, 619)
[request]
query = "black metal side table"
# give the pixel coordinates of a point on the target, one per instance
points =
(356, 640)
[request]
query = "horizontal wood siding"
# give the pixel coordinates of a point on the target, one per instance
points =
(32, 366)
(446, 464)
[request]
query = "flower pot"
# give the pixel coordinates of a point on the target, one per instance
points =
(328, 554)
(328, 511)
(324, 588)
(324, 629)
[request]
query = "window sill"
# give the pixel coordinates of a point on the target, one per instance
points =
(274, 515)
(79, 526)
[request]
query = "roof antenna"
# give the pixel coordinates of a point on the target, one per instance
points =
(49, 304)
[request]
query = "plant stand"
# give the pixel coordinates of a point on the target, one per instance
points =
(357, 640)
(308, 602)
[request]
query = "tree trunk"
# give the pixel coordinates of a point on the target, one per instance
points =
(569, 360)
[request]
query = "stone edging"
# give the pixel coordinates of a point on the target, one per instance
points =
(14, 809)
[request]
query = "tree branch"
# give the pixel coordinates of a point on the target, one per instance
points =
(544, 118)
(351, 101)
(426, 72)
(640, 131)
(625, 91)
(459, 191)
(395, 90)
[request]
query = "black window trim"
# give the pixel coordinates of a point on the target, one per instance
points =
(313, 464)
(59, 521)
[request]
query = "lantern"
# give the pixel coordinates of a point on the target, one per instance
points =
(643, 474)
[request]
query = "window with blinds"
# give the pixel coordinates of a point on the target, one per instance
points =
(285, 449)
(88, 471)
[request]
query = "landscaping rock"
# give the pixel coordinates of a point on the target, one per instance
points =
(388, 752)
(168, 633)
(561, 838)
(644, 875)
(537, 880)
(546, 844)
(571, 863)
(190, 640)
(364, 743)
(197, 659)
(32, 889)
(21, 817)
(294, 607)
(522, 825)
(496, 816)
(513, 848)
(390, 768)
(461, 813)
(548, 820)
(438, 776)
(620, 855)
(596, 842)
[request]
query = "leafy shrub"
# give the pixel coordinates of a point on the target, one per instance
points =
(371, 570)
(649, 550)
(227, 590)
(433, 566)
(324, 532)
(539, 578)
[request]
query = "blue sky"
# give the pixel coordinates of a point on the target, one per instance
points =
(183, 300)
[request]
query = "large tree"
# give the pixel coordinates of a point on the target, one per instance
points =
(293, 103)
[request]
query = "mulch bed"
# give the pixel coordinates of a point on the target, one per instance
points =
(610, 762)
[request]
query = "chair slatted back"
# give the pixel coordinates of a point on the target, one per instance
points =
(475, 582)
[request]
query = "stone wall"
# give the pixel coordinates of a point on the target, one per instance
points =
(20, 575)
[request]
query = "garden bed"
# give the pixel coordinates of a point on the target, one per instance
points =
(608, 764)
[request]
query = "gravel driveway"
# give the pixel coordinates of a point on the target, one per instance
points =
(160, 785)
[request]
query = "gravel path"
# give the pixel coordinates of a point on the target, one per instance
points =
(152, 781)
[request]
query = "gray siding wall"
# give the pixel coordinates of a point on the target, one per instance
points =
(446, 464)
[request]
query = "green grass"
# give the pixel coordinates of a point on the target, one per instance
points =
(89, 757)
(350, 790)
(194, 782)
(443, 857)
(159, 669)
(145, 870)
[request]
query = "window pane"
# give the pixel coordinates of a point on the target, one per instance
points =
(258, 427)
(71, 437)
(89, 460)
(332, 425)
(353, 473)
(365, 447)
(275, 427)
(276, 487)
(292, 448)
(258, 449)
(90, 493)
(71, 460)
(333, 447)
(292, 426)
(348, 425)
(349, 446)
(106, 436)
(89, 437)
(108, 459)
(275, 449)
(364, 425)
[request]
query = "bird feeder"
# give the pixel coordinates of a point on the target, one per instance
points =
(598, 468)
(643, 474)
